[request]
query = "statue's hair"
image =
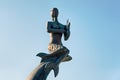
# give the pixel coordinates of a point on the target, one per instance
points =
(56, 10)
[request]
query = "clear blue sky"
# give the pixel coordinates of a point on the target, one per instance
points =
(94, 42)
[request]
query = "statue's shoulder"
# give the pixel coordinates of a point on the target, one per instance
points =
(50, 23)
(55, 24)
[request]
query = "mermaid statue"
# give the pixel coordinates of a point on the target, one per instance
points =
(57, 52)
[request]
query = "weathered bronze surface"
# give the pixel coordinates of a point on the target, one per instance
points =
(58, 52)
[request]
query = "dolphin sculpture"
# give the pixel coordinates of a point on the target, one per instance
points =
(48, 62)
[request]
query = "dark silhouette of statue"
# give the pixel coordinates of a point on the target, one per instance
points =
(58, 52)
(56, 31)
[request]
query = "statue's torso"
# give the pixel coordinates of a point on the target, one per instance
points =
(55, 38)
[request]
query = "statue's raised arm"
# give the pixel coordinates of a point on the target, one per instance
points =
(67, 32)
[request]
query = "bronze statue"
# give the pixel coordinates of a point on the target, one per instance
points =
(56, 31)
(58, 52)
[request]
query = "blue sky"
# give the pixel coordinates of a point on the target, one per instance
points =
(94, 42)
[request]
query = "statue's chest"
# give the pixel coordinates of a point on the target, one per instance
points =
(57, 26)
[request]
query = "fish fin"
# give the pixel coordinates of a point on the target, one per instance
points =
(56, 70)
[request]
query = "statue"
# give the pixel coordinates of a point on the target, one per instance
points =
(58, 52)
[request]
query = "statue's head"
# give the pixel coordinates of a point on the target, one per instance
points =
(54, 13)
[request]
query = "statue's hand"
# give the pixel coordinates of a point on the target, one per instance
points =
(67, 33)
(68, 24)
